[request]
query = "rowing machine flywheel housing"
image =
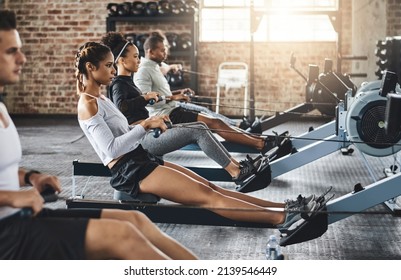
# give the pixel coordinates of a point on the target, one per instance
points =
(365, 123)
(324, 89)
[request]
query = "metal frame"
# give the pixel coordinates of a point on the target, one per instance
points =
(230, 146)
(166, 213)
(233, 75)
(381, 191)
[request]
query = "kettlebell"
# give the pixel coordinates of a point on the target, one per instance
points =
(164, 8)
(172, 39)
(175, 79)
(184, 41)
(191, 7)
(177, 7)
(124, 9)
(138, 8)
(130, 37)
(140, 40)
(152, 8)
(112, 9)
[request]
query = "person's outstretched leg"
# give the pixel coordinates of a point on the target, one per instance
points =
(190, 133)
(176, 186)
(232, 134)
(233, 194)
(113, 239)
(159, 239)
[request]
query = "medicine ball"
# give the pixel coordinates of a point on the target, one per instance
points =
(140, 40)
(124, 9)
(164, 8)
(177, 7)
(172, 39)
(175, 79)
(112, 9)
(138, 8)
(184, 41)
(152, 9)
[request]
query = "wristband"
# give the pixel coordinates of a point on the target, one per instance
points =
(28, 175)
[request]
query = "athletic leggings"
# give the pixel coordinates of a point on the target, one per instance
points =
(195, 107)
(184, 134)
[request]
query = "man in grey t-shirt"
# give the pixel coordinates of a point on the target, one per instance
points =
(150, 78)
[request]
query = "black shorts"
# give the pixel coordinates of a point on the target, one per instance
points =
(133, 168)
(182, 115)
(51, 235)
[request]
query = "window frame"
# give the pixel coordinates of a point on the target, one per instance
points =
(316, 13)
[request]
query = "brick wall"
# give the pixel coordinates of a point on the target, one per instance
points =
(393, 18)
(52, 31)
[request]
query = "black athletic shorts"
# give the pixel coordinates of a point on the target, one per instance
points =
(133, 168)
(183, 115)
(51, 235)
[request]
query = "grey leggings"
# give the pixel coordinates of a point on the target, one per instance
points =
(195, 107)
(183, 134)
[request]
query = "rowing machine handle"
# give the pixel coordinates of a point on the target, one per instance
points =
(158, 131)
(188, 93)
(152, 101)
(49, 195)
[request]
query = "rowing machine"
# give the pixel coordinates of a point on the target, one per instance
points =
(323, 92)
(149, 204)
(373, 123)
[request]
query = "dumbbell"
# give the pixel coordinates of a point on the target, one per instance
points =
(157, 131)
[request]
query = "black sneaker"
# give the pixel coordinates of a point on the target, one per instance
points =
(247, 168)
(274, 141)
(245, 123)
(256, 127)
(298, 202)
(296, 216)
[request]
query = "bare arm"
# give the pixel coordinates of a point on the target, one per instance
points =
(39, 181)
(19, 199)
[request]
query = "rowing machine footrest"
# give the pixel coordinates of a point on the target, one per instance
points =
(258, 181)
(284, 149)
(141, 197)
(313, 228)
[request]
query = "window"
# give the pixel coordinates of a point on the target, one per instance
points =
(281, 20)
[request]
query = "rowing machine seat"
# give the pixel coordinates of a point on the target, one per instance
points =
(99, 170)
(140, 197)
